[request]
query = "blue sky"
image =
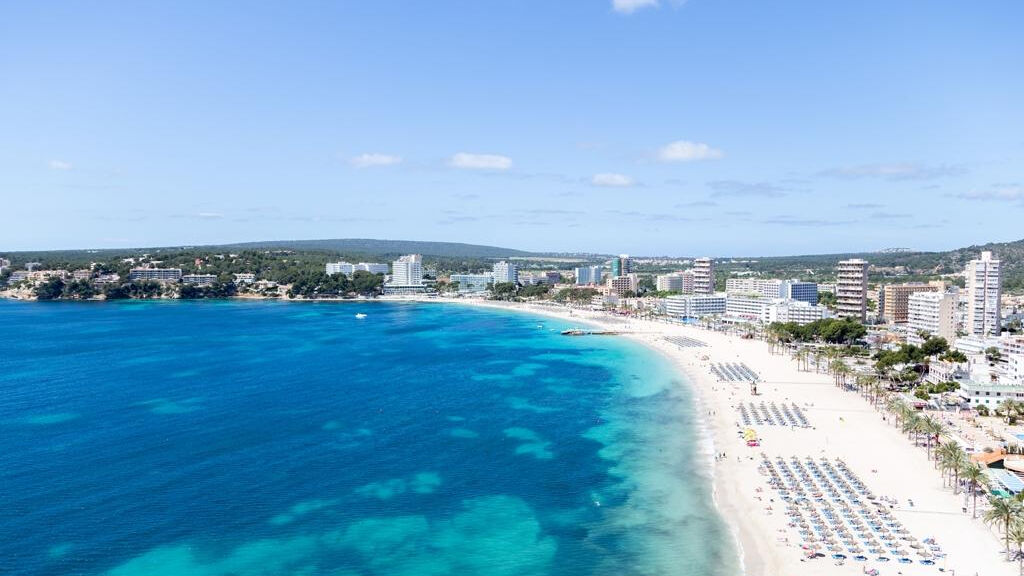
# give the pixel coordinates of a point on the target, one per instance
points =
(641, 126)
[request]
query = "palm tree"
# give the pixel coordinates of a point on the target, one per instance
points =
(952, 459)
(1010, 409)
(898, 408)
(1003, 512)
(801, 356)
(1016, 535)
(975, 477)
(911, 424)
(933, 429)
(839, 370)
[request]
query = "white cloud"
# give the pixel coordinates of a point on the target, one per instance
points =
(210, 215)
(630, 6)
(480, 161)
(611, 180)
(368, 160)
(59, 165)
(685, 151)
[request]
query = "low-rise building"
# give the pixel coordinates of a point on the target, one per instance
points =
(975, 345)
(245, 278)
(797, 312)
(774, 288)
(472, 283)
(199, 279)
(155, 274)
(695, 305)
(346, 268)
(749, 307)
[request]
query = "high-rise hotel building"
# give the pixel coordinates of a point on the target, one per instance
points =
(505, 273)
(983, 294)
(852, 289)
(703, 276)
(407, 271)
(621, 266)
(586, 275)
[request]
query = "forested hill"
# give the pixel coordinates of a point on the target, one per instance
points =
(384, 247)
(923, 263)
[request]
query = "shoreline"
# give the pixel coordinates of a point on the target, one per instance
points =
(843, 425)
(749, 558)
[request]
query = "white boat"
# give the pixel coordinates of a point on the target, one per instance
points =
(360, 315)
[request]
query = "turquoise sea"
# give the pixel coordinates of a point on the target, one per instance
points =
(271, 438)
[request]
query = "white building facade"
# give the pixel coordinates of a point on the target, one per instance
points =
(406, 276)
(983, 294)
(345, 268)
(472, 283)
(931, 313)
(703, 276)
(695, 305)
(505, 272)
(852, 289)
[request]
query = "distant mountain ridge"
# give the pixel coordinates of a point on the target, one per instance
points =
(372, 246)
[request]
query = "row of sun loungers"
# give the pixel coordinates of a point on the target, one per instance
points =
(685, 342)
(734, 372)
(772, 414)
(835, 514)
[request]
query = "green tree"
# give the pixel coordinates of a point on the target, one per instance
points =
(975, 477)
(50, 289)
(1003, 512)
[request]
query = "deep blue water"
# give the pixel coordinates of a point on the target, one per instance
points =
(265, 438)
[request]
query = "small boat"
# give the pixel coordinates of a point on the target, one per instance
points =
(360, 316)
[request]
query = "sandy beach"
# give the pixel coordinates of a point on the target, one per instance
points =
(843, 425)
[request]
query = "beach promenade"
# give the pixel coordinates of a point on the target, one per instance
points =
(841, 425)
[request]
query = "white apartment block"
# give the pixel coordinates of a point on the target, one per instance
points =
(695, 305)
(982, 295)
(933, 313)
(372, 267)
(505, 272)
(157, 274)
(852, 289)
(472, 283)
(1012, 350)
(748, 307)
(797, 311)
(703, 276)
(245, 278)
(199, 279)
(345, 268)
